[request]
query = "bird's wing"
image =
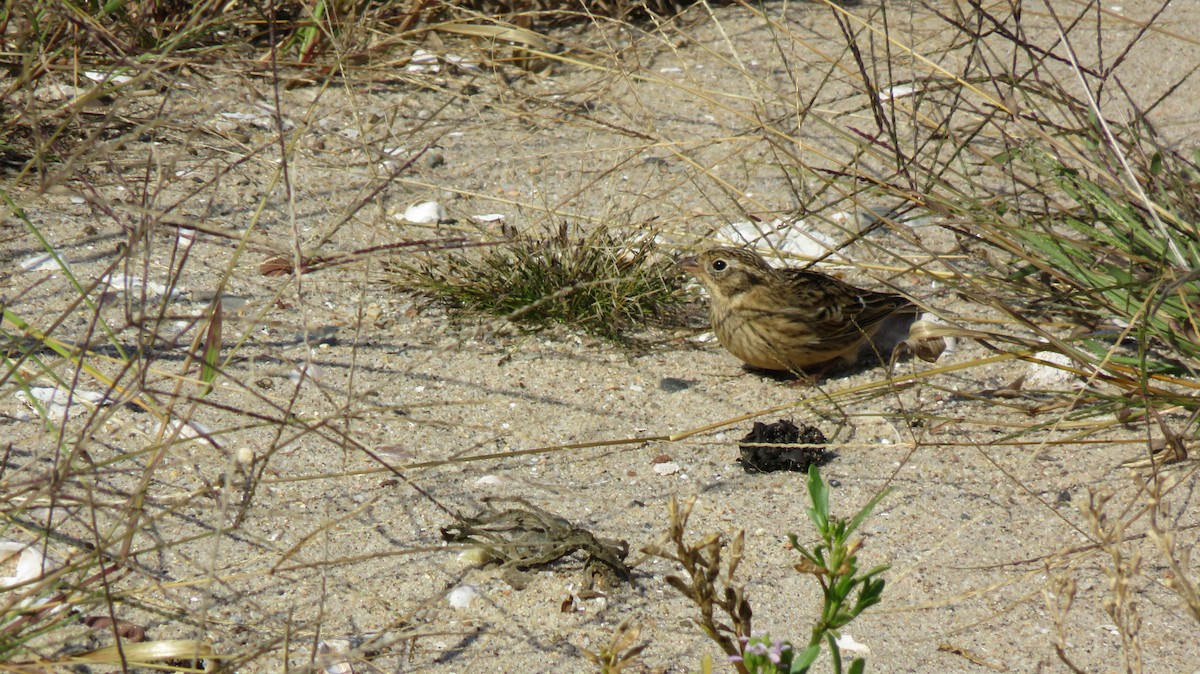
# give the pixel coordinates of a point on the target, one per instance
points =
(836, 308)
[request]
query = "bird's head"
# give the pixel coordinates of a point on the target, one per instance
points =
(729, 272)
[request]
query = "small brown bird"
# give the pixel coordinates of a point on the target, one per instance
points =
(788, 319)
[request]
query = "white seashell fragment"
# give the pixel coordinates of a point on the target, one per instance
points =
(848, 644)
(422, 61)
(186, 237)
(54, 93)
(29, 565)
(332, 656)
(52, 402)
(790, 237)
(265, 121)
(489, 480)
(489, 217)
(861, 219)
(43, 262)
(425, 62)
(426, 213)
(668, 468)
(898, 91)
(462, 62)
(134, 285)
(183, 431)
(924, 340)
(99, 76)
(462, 596)
(305, 372)
(1046, 375)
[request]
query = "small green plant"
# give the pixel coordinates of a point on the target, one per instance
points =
(601, 282)
(833, 562)
(1124, 255)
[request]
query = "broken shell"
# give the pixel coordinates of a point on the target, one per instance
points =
(461, 596)
(28, 567)
(786, 237)
(426, 213)
(924, 339)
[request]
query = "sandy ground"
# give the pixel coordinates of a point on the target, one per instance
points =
(336, 547)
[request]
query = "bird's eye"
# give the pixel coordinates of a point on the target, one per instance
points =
(719, 265)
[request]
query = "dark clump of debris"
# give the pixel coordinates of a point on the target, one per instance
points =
(781, 446)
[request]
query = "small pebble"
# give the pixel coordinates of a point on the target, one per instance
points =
(461, 596)
(666, 468)
(373, 313)
(232, 302)
(244, 456)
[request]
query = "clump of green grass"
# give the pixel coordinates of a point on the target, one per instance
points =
(602, 282)
(1125, 253)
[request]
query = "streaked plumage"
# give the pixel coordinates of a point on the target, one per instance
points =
(788, 319)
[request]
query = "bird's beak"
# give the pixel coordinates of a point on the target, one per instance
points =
(689, 264)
